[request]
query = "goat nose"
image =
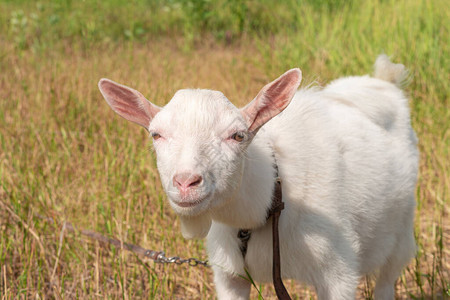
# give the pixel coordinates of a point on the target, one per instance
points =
(186, 181)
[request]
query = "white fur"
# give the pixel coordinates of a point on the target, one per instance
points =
(348, 160)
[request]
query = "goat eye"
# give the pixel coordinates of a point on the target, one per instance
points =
(238, 136)
(155, 135)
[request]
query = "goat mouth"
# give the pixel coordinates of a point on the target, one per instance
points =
(190, 203)
(187, 204)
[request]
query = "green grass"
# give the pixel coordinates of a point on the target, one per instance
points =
(65, 155)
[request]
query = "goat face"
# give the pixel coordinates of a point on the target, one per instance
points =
(200, 139)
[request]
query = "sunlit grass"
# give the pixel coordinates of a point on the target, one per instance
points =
(65, 155)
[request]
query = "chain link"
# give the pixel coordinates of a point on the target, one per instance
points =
(160, 257)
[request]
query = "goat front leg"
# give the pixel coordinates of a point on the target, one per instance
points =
(230, 286)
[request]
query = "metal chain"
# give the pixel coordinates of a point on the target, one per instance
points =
(157, 256)
(160, 257)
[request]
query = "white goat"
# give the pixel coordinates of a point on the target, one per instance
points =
(347, 157)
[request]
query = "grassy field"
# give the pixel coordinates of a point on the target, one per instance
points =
(65, 155)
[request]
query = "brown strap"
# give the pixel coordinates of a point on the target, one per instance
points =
(277, 206)
(244, 236)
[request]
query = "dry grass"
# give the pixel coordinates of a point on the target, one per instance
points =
(67, 156)
(64, 154)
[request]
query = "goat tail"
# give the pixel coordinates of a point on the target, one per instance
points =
(394, 73)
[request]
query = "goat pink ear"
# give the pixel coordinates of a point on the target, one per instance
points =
(271, 100)
(128, 103)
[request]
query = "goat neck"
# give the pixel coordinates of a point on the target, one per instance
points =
(249, 204)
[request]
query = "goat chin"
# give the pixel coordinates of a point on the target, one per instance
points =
(195, 227)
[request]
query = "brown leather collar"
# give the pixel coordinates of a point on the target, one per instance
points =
(244, 235)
